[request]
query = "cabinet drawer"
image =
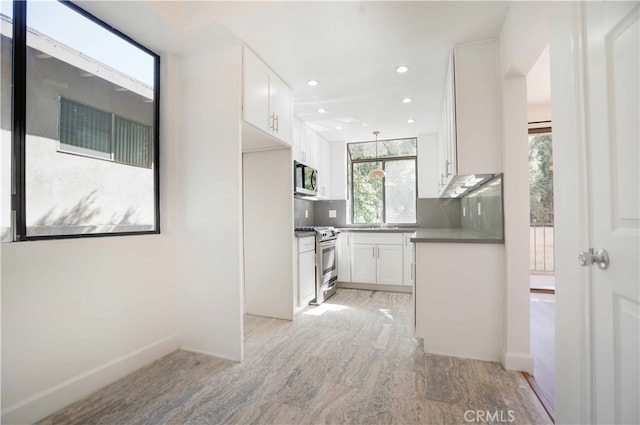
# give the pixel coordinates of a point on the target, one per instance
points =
(308, 243)
(376, 238)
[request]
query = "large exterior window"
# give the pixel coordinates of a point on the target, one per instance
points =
(389, 199)
(85, 138)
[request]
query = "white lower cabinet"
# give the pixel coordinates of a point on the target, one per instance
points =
(409, 259)
(363, 263)
(377, 258)
(306, 270)
(389, 264)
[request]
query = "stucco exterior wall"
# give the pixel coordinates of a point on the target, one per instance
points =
(68, 193)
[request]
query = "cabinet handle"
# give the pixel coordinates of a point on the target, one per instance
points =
(447, 167)
(373, 251)
(273, 122)
(276, 121)
(378, 252)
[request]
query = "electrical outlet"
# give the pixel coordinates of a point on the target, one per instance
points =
(332, 213)
(479, 208)
(306, 213)
(464, 211)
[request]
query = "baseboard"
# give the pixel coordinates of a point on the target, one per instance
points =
(464, 356)
(376, 287)
(517, 361)
(48, 401)
(207, 353)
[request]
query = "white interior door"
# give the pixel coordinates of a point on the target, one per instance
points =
(613, 116)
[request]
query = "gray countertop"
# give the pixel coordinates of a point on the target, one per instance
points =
(454, 236)
(302, 234)
(379, 229)
(424, 235)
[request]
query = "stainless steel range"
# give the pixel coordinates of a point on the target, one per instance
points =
(326, 262)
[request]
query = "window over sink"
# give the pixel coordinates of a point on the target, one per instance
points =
(390, 198)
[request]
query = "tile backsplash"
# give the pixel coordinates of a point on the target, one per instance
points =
(438, 213)
(432, 213)
(299, 208)
(323, 209)
(489, 217)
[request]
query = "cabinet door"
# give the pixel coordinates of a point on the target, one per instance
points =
(280, 102)
(256, 92)
(408, 259)
(338, 166)
(306, 277)
(344, 257)
(363, 263)
(390, 265)
(324, 169)
(296, 151)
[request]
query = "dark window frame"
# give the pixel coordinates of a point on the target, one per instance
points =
(19, 119)
(384, 160)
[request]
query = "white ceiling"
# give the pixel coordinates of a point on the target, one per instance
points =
(351, 48)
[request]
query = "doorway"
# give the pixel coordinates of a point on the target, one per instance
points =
(541, 232)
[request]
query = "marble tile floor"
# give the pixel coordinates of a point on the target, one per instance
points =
(351, 360)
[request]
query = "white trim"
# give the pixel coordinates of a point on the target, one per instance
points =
(207, 353)
(52, 399)
(517, 361)
(464, 356)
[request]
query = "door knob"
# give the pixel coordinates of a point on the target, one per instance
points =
(599, 257)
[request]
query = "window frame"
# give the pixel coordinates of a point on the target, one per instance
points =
(19, 121)
(383, 160)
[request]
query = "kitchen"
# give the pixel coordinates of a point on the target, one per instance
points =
(228, 245)
(339, 243)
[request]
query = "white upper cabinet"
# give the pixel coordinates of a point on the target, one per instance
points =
(338, 165)
(311, 149)
(477, 108)
(324, 168)
(447, 155)
(469, 136)
(301, 143)
(267, 103)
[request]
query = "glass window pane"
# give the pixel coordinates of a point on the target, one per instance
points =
(367, 193)
(541, 178)
(400, 191)
(384, 149)
(90, 111)
(6, 51)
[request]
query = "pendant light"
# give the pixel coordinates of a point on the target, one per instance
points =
(377, 173)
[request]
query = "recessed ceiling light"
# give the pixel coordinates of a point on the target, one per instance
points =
(407, 100)
(402, 69)
(312, 83)
(322, 111)
(411, 120)
(338, 128)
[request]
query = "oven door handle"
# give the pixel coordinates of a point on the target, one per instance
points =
(328, 243)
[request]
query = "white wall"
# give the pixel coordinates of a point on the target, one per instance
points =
(79, 314)
(210, 268)
(268, 233)
(537, 112)
(523, 37)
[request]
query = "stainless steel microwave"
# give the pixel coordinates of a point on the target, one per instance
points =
(305, 179)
